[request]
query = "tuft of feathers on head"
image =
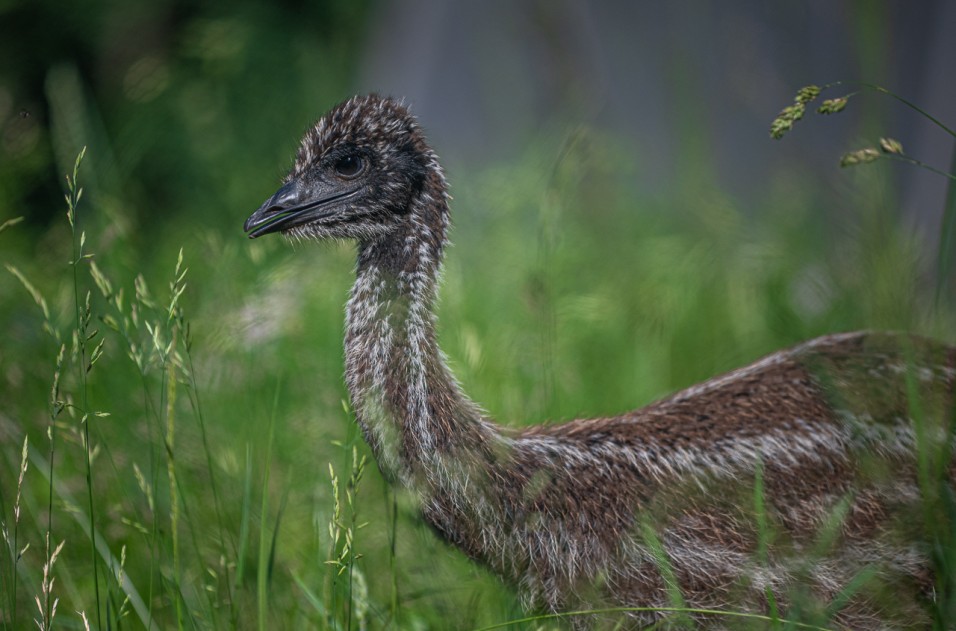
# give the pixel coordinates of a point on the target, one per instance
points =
(379, 124)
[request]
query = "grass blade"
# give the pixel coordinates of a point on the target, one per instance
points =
(947, 235)
(262, 579)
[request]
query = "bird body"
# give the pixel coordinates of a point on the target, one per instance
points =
(723, 495)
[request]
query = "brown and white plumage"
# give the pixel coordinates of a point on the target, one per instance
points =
(783, 480)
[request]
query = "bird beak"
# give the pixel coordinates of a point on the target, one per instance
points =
(291, 206)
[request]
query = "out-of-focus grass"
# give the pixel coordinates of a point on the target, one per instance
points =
(567, 294)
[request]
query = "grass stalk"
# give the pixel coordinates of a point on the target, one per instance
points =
(66, 498)
(154, 516)
(174, 509)
(909, 104)
(16, 552)
(56, 406)
(391, 525)
(662, 561)
(81, 322)
(207, 451)
(919, 163)
(244, 520)
(764, 535)
(682, 611)
(947, 235)
(262, 577)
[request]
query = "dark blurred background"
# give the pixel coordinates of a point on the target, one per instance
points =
(193, 108)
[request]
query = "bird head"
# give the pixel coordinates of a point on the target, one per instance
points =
(356, 173)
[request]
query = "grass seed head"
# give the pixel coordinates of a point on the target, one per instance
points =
(785, 119)
(833, 106)
(860, 156)
(807, 94)
(891, 145)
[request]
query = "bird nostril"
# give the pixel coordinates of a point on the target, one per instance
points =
(283, 198)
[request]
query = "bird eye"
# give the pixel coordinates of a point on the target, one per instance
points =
(349, 166)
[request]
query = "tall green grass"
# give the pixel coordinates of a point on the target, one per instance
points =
(189, 445)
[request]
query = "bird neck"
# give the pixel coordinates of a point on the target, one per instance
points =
(410, 408)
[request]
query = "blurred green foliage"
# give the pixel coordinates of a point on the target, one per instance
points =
(181, 102)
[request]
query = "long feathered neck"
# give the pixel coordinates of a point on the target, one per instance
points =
(412, 411)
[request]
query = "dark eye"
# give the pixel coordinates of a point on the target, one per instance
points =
(349, 166)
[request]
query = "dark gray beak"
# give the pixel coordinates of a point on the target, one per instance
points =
(291, 206)
(272, 215)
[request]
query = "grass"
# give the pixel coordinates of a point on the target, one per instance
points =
(178, 442)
